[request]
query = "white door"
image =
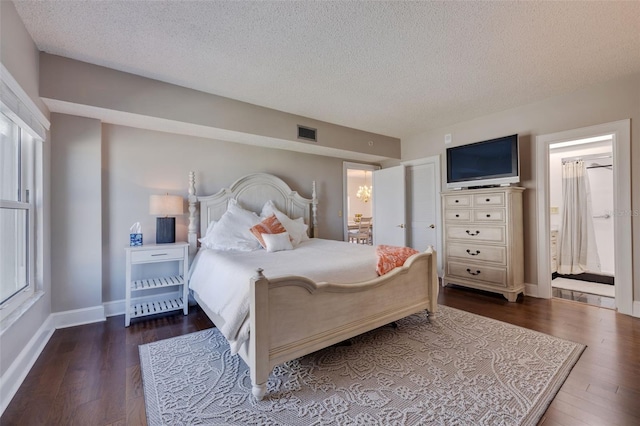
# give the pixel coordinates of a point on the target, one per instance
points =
(389, 224)
(422, 206)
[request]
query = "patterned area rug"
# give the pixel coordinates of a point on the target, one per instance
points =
(455, 369)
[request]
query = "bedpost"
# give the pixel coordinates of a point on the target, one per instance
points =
(314, 210)
(192, 232)
(433, 281)
(259, 335)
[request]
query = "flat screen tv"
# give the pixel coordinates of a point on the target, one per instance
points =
(488, 163)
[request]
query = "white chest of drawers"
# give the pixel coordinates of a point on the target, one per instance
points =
(484, 239)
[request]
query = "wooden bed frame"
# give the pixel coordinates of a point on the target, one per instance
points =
(293, 316)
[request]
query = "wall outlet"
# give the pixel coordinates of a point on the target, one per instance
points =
(555, 210)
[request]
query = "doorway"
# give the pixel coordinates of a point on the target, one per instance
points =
(407, 205)
(358, 195)
(620, 135)
(583, 268)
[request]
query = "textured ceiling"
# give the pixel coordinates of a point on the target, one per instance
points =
(395, 68)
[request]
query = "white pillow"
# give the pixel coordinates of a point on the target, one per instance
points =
(305, 235)
(205, 241)
(232, 230)
(296, 228)
(277, 242)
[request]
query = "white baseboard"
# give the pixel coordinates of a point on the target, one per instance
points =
(14, 376)
(114, 308)
(78, 317)
(636, 309)
(11, 380)
(531, 290)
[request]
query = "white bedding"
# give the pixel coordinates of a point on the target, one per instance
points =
(222, 278)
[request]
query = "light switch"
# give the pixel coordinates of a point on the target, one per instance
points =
(554, 210)
(339, 213)
(447, 139)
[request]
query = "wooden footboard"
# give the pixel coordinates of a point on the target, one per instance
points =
(294, 316)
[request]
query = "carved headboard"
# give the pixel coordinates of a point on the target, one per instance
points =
(251, 191)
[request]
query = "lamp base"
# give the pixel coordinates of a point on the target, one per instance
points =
(165, 230)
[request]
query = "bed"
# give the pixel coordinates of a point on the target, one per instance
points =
(288, 314)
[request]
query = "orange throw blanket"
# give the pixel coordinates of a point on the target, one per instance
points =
(390, 257)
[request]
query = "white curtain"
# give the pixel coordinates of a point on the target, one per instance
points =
(577, 251)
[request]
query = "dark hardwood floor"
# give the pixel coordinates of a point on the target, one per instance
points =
(90, 375)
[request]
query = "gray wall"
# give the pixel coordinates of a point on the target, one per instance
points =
(602, 103)
(103, 175)
(76, 258)
(19, 55)
(137, 163)
(80, 83)
(109, 191)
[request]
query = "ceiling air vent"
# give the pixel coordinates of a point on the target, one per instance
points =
(307, 133)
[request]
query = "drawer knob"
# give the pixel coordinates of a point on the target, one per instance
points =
(159, 254)
(488, 199)
(477, 272)
(488, 215)
(473, 254)
(472, 234)
(457, 215)
(457, 201)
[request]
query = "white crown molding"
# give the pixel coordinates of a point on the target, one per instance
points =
(17, 90)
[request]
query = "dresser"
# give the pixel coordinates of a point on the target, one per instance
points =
(483, 239)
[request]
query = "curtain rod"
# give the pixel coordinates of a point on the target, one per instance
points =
(587, 157)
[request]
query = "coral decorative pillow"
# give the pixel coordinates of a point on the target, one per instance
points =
(390, 257)
(270, 225)
(297, 229)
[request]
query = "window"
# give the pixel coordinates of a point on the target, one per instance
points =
(17, 167)
(23, 130)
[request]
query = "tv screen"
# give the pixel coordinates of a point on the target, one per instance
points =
(486, 163)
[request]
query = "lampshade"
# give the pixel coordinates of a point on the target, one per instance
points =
(165, 205)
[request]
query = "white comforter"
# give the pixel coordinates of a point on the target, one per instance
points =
(222, 278)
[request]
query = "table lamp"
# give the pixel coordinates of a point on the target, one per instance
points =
(163, 206)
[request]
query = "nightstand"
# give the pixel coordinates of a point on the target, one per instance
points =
(138, 300)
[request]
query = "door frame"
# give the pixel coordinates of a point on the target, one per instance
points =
(621, 131)
(346, 166)
(435, 160)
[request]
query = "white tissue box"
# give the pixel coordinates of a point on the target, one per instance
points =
(135, 239)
